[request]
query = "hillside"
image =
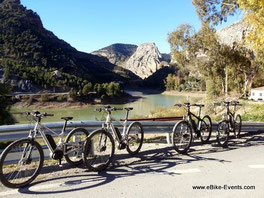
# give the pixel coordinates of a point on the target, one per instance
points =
(27, 49)
(117, 53)
(234, 33)
(143, 60)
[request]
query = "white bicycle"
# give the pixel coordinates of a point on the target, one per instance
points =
(99, 146)
(22, 160)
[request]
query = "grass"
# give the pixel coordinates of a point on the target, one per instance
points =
(250, 111)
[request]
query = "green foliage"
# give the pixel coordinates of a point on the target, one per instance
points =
(182, 82)
(87, 89)
(113, 89)
(226, 68)
(215, 11)
(5, 116)
(105, 90)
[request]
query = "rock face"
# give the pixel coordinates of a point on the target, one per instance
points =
(236, 32)
(145, 61)
(117, 53)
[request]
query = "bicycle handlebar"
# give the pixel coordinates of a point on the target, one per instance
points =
(48, 114)
(37, 114)
(226, 103)
(108, 108)
(188, 105)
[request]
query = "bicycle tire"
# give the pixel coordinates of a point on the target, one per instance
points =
(135, 136)
(223, 133)
(11, 174)
(93, 148)
(77, 137)
(182, 131)
(237, 125)
(207, 125)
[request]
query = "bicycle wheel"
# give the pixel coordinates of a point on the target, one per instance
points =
(206, 129)
(237, 125)
(223, 133)
(74, 146)
(98, 150)
(135, 135)
(21, 163)
(182, 137)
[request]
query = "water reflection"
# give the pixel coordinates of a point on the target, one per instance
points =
(141, 107)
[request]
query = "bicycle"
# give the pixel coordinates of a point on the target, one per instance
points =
(22, 160)
(183, 130)
(99, 146)
(230, 122)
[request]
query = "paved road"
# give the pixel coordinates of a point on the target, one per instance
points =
(160, 172)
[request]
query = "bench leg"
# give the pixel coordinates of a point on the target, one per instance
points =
(168, 135)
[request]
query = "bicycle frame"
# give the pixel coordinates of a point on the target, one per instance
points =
(230, 115)
(109, 125)
(190, 116)
(39, 128)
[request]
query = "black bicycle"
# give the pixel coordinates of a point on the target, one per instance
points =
(183, 131)
(231, 122)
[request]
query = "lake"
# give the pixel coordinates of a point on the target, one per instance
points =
(142, 107)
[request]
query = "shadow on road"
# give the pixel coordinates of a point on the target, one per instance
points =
(153, 161)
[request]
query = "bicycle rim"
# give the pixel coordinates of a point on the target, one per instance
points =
(223, 134)
(206, 129)
(99, 149)
(237, 125)
(134, 138)
(75, 144)
(21, 163)
(182, 137)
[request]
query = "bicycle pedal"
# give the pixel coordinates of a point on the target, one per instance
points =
(103, 149)
(121, 146)
(60, 165)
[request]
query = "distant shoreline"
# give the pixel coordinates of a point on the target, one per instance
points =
(73, 104)
(186, 94)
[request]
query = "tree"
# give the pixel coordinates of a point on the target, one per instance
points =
(5, 116)
(215, 11)
(219, 63)
(180, 41)
(87, 89)
(113, 89)
(254, 15)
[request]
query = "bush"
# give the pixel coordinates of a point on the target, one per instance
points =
(87, 89)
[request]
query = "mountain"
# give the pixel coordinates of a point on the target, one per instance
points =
(236, 32)
(142, 60)
(31, 52)
(156, 80)
(117, 53)
(145, 61)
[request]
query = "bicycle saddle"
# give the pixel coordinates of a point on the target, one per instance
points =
(67, 118)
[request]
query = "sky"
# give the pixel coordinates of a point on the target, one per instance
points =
(89, 25)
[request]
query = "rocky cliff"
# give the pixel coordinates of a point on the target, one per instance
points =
(143, 60)
(117, 53)
(236, 32)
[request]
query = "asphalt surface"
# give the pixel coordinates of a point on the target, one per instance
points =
(158, 171)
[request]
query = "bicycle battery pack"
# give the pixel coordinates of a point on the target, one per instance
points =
(118, 133)
(51, 141)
